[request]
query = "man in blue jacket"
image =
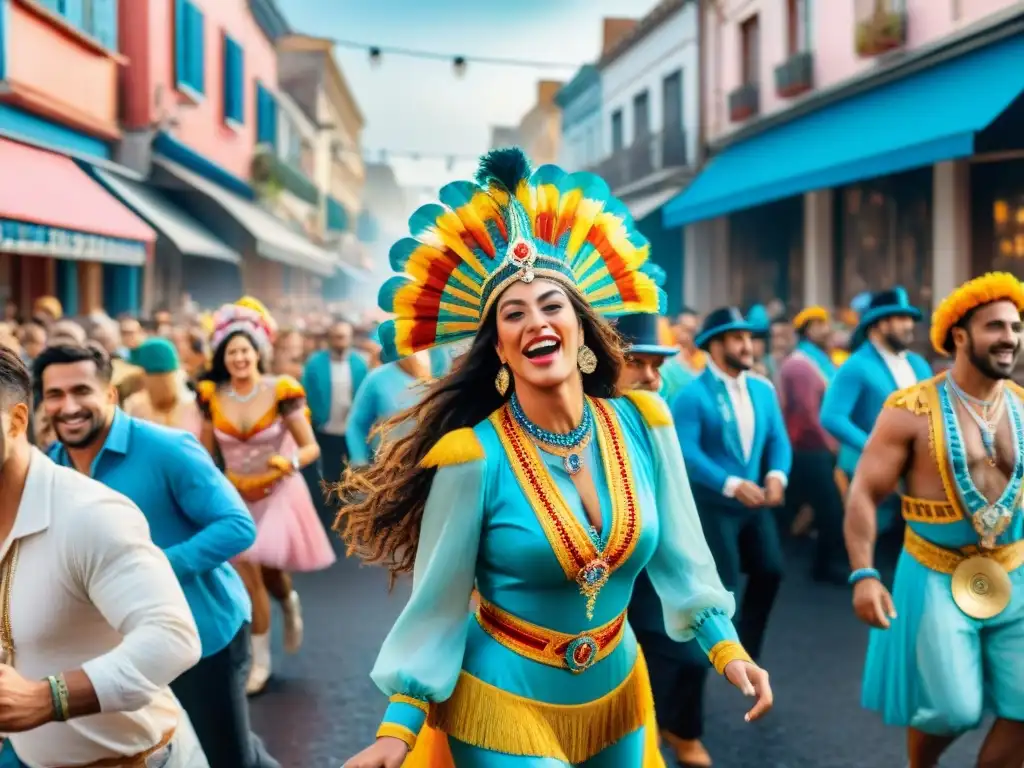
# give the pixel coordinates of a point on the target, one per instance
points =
(195, 516)
(331, 379)
(879, 365)
(738, 457)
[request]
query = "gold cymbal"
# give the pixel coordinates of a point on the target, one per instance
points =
(981, 587)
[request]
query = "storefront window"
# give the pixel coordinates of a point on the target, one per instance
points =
(884, 238)
(766, 254)
(997, 194)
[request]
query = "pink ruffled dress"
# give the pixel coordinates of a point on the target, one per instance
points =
(289, 534)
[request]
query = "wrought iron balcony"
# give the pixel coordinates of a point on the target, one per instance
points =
(744, 102)
(795, 75)
(881, 26)
(646, 156)
(273, 174)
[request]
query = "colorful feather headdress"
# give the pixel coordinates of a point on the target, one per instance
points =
(234, 317)
(511, 225)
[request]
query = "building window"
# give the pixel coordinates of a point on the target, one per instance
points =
(750, 47)
(190, 61)
(798, 26)
(641, 117)
(234, 82)
(96, 18)
(266, 117)
(618, 139)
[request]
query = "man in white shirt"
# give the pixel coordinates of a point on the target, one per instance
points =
(95, 625)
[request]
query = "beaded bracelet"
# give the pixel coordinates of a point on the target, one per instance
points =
(862, 574)
(59, 696)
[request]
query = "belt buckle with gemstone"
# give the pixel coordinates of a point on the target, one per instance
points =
(581, 654)
(981, 587)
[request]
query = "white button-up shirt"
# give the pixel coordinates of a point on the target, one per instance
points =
(91, 591)
(899, 366)
(746, 421)
(341, 396)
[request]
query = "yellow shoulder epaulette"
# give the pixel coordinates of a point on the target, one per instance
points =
(458, 447)
(917, 399)
(652, 407)
(1016, 388)
(288, 388)
(205, 390)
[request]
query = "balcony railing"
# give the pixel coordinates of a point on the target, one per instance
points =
(795, 75)
(881, 26)
(646, 156)
(744, 102)
(273, 174)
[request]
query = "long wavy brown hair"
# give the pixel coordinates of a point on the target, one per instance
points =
(381, 505)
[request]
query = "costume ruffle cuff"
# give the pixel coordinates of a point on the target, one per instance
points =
(717, 637)
(403, 719)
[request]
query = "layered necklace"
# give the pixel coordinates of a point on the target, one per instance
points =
(569, 445)
(985, 413)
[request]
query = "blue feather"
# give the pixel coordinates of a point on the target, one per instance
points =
(425, 218)
(503, 168)
(386, 295)
(386, 335)
(400, 253)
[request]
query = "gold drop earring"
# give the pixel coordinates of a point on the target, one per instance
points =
(586, 359)
(502, 380)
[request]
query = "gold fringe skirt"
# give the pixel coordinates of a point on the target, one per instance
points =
(489, 718)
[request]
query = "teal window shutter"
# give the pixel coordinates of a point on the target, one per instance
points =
(100, 21)
(189, 46)
(266, 117)
(234, 77)
(337, 216)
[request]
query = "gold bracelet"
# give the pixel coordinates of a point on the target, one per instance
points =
(725, 652)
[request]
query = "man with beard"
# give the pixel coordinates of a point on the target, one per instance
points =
(880, 364)
(95, 625)
(195, 515)
(803, 378)
(678, 670)
(947, 644)
(738, 458)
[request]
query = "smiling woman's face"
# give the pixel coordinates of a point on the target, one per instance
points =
(538, 333)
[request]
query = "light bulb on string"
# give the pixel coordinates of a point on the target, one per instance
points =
(375, 57)
(459, 66)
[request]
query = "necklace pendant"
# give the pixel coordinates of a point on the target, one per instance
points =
(573, 463)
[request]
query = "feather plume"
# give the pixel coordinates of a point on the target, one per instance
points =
(503, 168)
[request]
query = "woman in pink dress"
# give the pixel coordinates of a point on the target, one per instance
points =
(258, 426)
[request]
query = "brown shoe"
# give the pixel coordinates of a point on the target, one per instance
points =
(690, 753)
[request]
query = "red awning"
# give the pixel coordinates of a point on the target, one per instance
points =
(49, 189)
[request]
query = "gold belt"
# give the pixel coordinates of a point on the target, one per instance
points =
(556, 649)
(928, 511)
(135, 761)
(981, 583)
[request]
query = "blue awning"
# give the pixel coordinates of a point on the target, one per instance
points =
(924, 118)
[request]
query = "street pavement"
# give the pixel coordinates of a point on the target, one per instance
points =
(321, 707)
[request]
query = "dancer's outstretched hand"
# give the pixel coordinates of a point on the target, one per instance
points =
(752, 681)
(386, 752)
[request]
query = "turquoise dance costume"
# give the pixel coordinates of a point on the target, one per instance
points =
(547, 673)
(936, 668)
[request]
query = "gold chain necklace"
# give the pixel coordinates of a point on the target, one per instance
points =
(10, 562)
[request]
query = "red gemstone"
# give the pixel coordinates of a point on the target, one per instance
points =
(521, 251)
(581, 655)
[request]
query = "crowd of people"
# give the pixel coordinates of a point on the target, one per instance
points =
(577, 483)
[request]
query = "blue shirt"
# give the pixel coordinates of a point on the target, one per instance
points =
(195, 516)
(386, 391)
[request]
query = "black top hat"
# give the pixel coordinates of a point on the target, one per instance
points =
(640, 332)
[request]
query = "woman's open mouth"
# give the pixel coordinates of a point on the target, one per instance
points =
(543, 350)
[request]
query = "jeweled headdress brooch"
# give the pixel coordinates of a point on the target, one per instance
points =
(511, 225)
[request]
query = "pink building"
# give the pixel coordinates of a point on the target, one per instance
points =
(199, 97)
(853, 145)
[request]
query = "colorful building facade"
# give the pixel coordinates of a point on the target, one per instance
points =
(61, 233)
(856, 146)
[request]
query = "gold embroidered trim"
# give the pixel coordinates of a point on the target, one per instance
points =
(421, 705)
(943, 560)
(396, 731)
(485, 716)
(928, 511)
(725, 652)
(567, 536)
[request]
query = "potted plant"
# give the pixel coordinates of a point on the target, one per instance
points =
(883, 31)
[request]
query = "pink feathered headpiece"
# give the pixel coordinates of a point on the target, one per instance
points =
(232, 317)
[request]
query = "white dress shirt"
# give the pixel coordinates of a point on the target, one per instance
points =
(341, 396)
(746, 422)
(91, 591)
(899, 366)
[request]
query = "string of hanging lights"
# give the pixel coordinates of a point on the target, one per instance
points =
(459, 63)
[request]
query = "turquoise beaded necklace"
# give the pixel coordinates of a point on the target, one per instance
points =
(569, 445)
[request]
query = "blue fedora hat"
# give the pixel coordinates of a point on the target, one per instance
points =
(893, 302)
(760, 323)
(719, 321)
(640, 332)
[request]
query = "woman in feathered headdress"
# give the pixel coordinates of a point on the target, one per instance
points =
(258, 426)
(528, 476)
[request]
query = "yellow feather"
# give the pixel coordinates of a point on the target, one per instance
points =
(652, 407)
(459, 447)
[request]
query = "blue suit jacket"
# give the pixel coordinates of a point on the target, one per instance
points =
(855, 397)
(316, 380)
(711, 445)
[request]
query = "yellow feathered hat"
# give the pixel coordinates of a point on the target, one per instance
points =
(251, 302)
(994, 286)
(810, 314)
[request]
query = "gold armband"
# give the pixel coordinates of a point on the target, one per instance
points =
(721, 654)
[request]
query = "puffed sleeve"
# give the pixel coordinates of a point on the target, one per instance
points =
(421, 658)
(205, 392)
(291, 398)
(682, 569)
